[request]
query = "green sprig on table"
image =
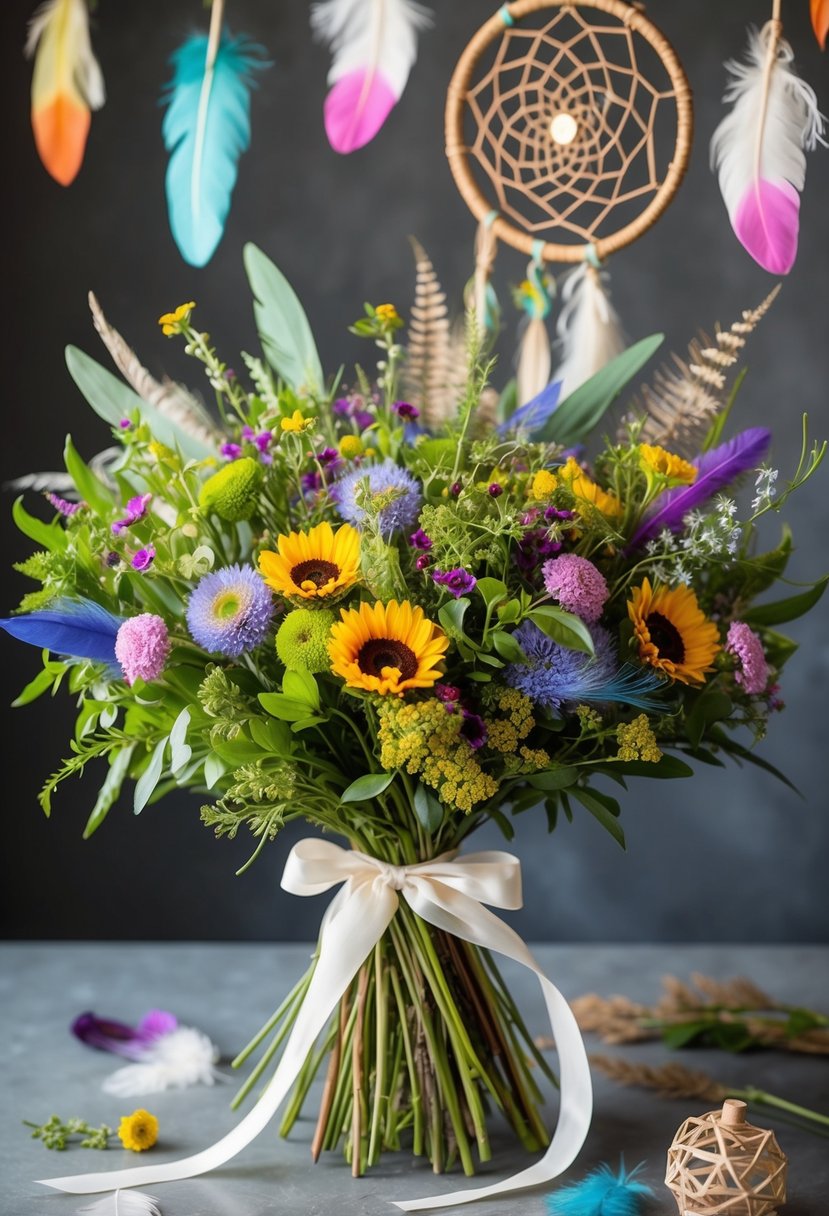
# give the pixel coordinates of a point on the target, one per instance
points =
(56, 1134)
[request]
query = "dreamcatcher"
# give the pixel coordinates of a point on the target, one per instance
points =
(568, 131)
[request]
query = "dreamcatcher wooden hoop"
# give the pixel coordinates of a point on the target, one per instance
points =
(460, 100)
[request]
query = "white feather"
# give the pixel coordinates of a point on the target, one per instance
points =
(62, 27)
(775, 117)
(177, 1060)
(124, 1203)
(534, 360)
(371, 34)
(61, 483)
(589, 331)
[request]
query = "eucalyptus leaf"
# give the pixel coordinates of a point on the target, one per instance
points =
(603, 808)
(180, 750)
(89, 486)
(214, 769)
(367, 787)
(563, 627)
(109, 791)
(554, 778)
(789, 609)
(283, 327)
(150, 778)
(427, 808)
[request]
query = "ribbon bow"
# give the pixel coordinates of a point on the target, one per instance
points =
(448, 892)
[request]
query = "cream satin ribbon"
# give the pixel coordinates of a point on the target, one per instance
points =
(447, 892)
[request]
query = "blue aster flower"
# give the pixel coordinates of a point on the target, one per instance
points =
(230, 611)
(555, 676)
(388, 483)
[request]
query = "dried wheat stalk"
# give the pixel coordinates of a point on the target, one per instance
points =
(668, 1080)
(684, 399)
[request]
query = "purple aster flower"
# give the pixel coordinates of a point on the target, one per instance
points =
(329, 458)
(554, 513)
(577, 585)
(423, 561)
(555, 676)
(533, 548)
(230, 611)
(458, 581)
(105, 1034)
(419, 540)
(62, 505)
(406, 411)
(143, 559)
(134, 511)
(473, 729)
(353, 407)
(231, 450)
(125, 425)
(753, 669)
(311, 482)
(494, 490)
(142, 647)
(393, 488)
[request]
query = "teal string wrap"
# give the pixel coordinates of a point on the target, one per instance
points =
(505, 15)
(591, 257)
(536, 296)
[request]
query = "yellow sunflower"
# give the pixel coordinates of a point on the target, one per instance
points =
(673, 633)
(386, 648)
(313, 565)
(584, 488)
(655, 459)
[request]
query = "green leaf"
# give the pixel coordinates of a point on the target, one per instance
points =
(150, 778)
(301, 686)
(779, 649)
(718, 426)
(668, 768)
(579, 413)
(214, 769)
(507, 647)
(765, 569)
(119, 764)
(280, 706)
(492, 589)
(733, 748)
(90, 487)
(683, 1034)
(427, 808)
(282, 324)
(50, 536)
(451, 616)
(563, 627)
(509, 613)
(237, 751)
(786, 610)
(35, 688)
(367, 787)
(603, 808)
(554, 778)
(112, 400)
(710, 706)
(437, 453)
(272, 736)
(180, 749)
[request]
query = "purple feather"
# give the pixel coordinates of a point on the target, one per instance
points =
(105, 1034)
(715, 469)
(81, 629)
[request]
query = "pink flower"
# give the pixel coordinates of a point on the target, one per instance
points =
(577, 585)
(745, 645)
(142, 646)
(135, 511)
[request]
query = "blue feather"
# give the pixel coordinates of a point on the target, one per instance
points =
(206, 129)
(80, 629)
(601, 1193)
(536, 412)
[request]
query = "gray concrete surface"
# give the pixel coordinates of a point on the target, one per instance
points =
(228, 990)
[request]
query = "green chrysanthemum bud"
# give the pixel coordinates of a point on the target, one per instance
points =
(232, 492)
(302, 639)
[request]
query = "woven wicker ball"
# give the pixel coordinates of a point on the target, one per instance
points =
(719, 1163)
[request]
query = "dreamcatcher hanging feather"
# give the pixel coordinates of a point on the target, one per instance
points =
(206, 129)
(568, 131)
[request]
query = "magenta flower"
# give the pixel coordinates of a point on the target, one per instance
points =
(125, 424)
(231, 450)
(419, 540)
(135, 510)
(458, 581)
(473, 729)
(495, 490)
(455, 488)
(406, 411)
(329, 458)
(105, 1034)
(753, 669)
(577, 585)
(62, 505)
(143, 559)
(534, 547)
(142, 647)
(423, 561)
(447, 692)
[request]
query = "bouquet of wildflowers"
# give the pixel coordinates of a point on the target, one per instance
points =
(397, 607)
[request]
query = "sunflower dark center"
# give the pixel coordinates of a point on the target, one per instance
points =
(314, 571)
(377, 653)
(666, 637)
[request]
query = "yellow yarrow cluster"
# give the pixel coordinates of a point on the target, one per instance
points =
(424, 739)
(504, 734)
(543, 485)
(637, 741)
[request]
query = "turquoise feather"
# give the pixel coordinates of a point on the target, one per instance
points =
(601, 1193)
(206, 129)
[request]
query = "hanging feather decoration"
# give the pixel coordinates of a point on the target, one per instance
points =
(183, 1057)
(66, 85)
(80, 629)
(758, 150)
(602, 1193)
(589, 331)
(426, 372)
(820, 20)
(374, 44)
(124, 1203)
(206, 129)
(684, 400)
(534, 360)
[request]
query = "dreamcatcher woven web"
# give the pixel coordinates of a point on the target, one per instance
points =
(568, 131)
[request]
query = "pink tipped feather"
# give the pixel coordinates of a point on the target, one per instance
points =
(355, 110)
(758, 150)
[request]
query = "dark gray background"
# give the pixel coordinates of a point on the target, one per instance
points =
(731, 855)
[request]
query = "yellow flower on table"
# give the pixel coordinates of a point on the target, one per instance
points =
(387, 648)
(315, 564)
(673, 633)
(543, 485)
(655, 459)
(138, 1131)
(585, 489)
(171, 322)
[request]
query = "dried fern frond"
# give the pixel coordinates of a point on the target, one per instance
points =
(668, 1080)
(170, 399)
(683, 400)
(427, 372)
(614, 1020)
